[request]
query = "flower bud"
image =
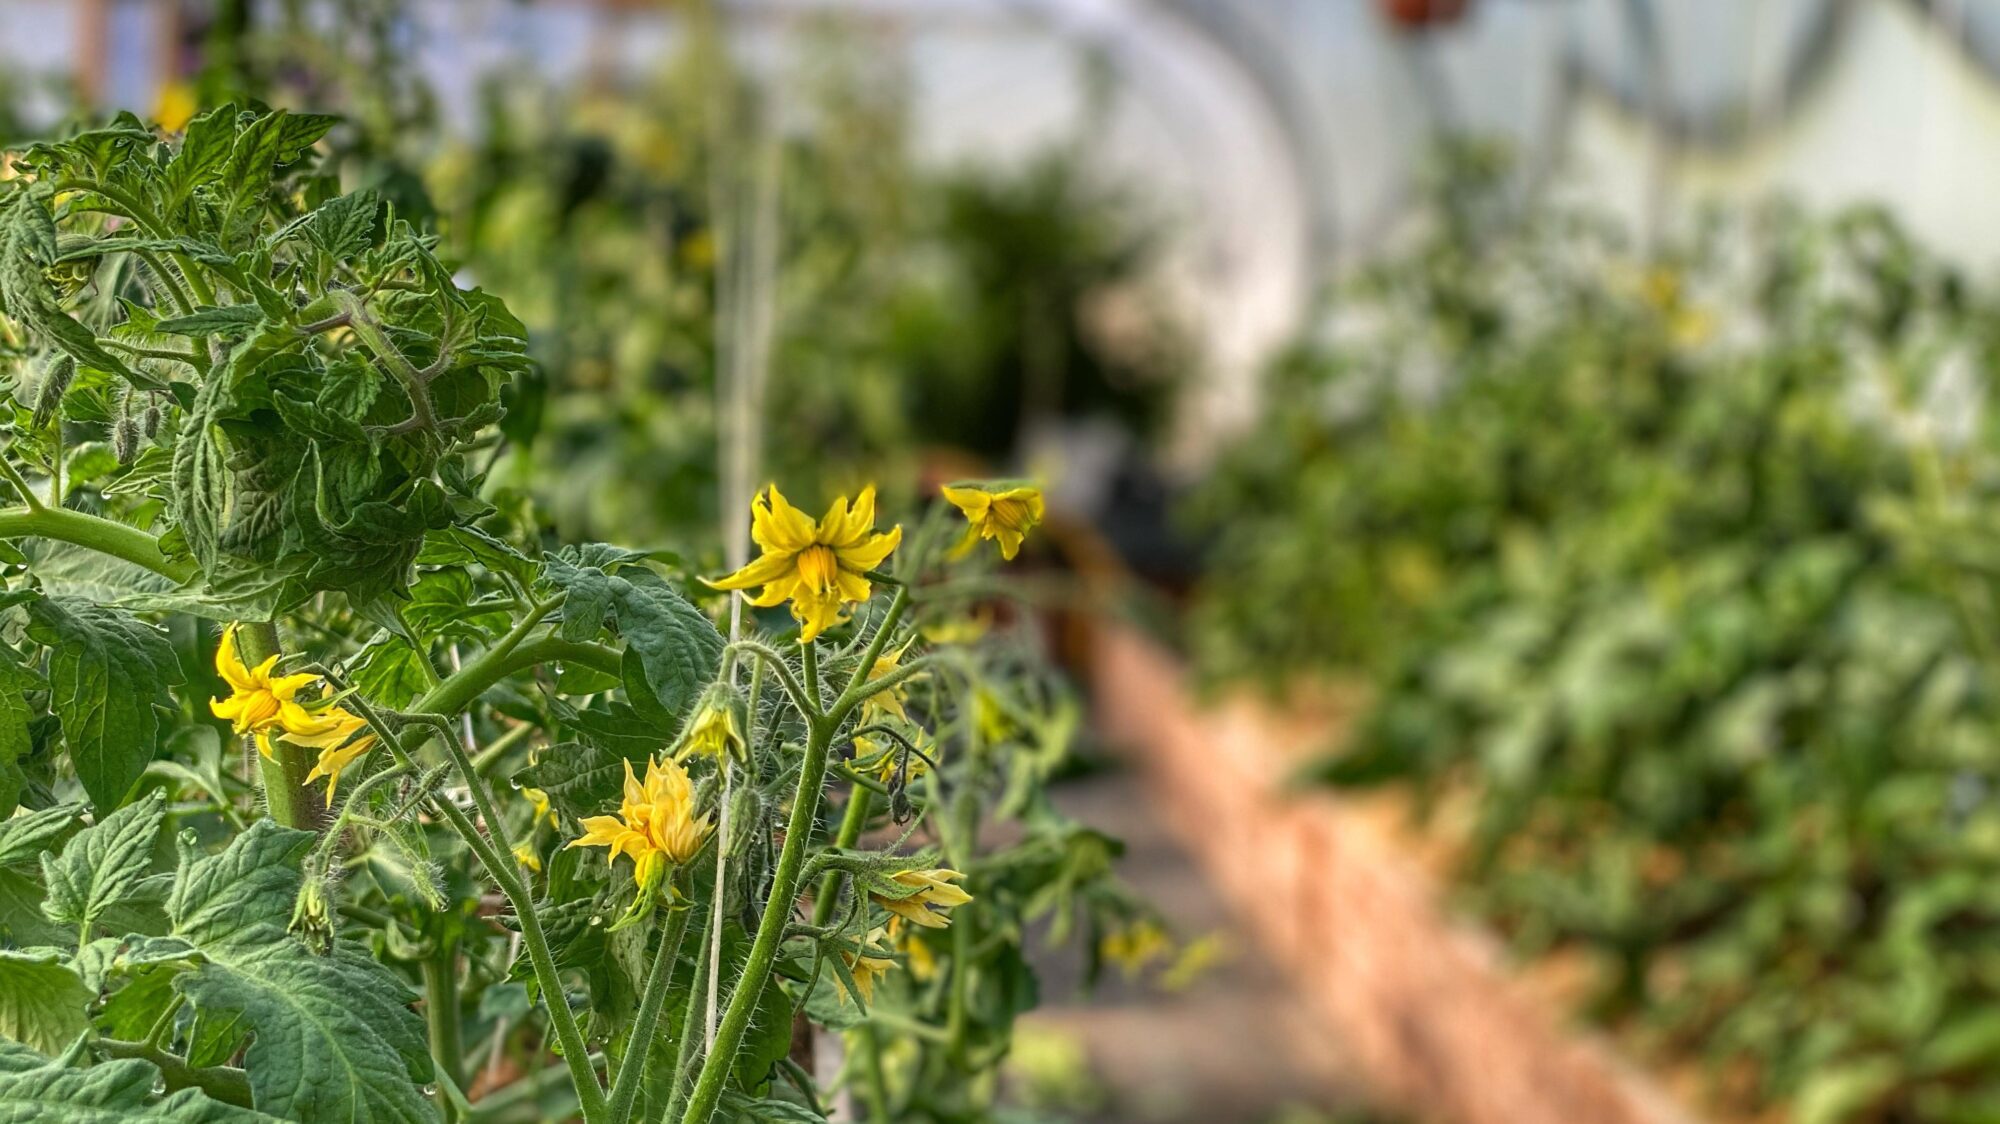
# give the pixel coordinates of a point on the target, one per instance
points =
(55, 383)
(716, 729)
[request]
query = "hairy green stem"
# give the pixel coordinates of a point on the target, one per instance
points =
(879, 641)
(286, 794)
(440, 972)
(684, 1045)
(770, 926)
(768, 657)
(499, 866)
(95, 533)
(809, 671)
(851, 824)
(625, 1086)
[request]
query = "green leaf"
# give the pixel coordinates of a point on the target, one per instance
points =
(333, 1038)
(43, 1002)
(340, 227)
(107, 670)
(204, 150)
(741, 1107)
(231, 319)
(27, 246)
(24, 838)
(678, 647)
(588, 599)
(467, 546)
(580, 778)
(391, 672)
(66, 570)
(118, 1092)
(102, 864)
(16, 742)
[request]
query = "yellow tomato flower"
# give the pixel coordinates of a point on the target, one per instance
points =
(655, 824)
(1004, 516)
(1135, 946)
(336, 752)
(906, 940)
(175, 107)
(539, 801)
(264, 704)
(866, 964)
(889, 703)
(933, 888)
(817, 567)
(527, 856)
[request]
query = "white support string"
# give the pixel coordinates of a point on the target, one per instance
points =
(744, 315)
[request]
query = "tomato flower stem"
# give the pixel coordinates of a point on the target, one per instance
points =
(499, 866)
(770, 658)
(625, 1086)
(770, 926)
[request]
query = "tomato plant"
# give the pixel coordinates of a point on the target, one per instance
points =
(340, 794)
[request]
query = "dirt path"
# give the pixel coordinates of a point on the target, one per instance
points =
(1231, 1048)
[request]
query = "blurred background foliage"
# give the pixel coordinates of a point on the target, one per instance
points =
(1672, 582)
(923, 322)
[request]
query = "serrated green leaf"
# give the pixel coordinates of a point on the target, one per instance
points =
(675, 647)
(391, 672)
(204, 150)
(117, 1092)
(43, 1002)
(233, 319)
(588, 596)
(340, 227)
(16, 742)
(24, 838)
(679, 648)
(107, 670)
(332, 1037)
(580, 779)
(103, 864)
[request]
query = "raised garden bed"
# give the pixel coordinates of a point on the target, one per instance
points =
(1351, 904)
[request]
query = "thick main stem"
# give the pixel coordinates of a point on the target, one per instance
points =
(286, 794)
(440, 972)
(770, 928)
